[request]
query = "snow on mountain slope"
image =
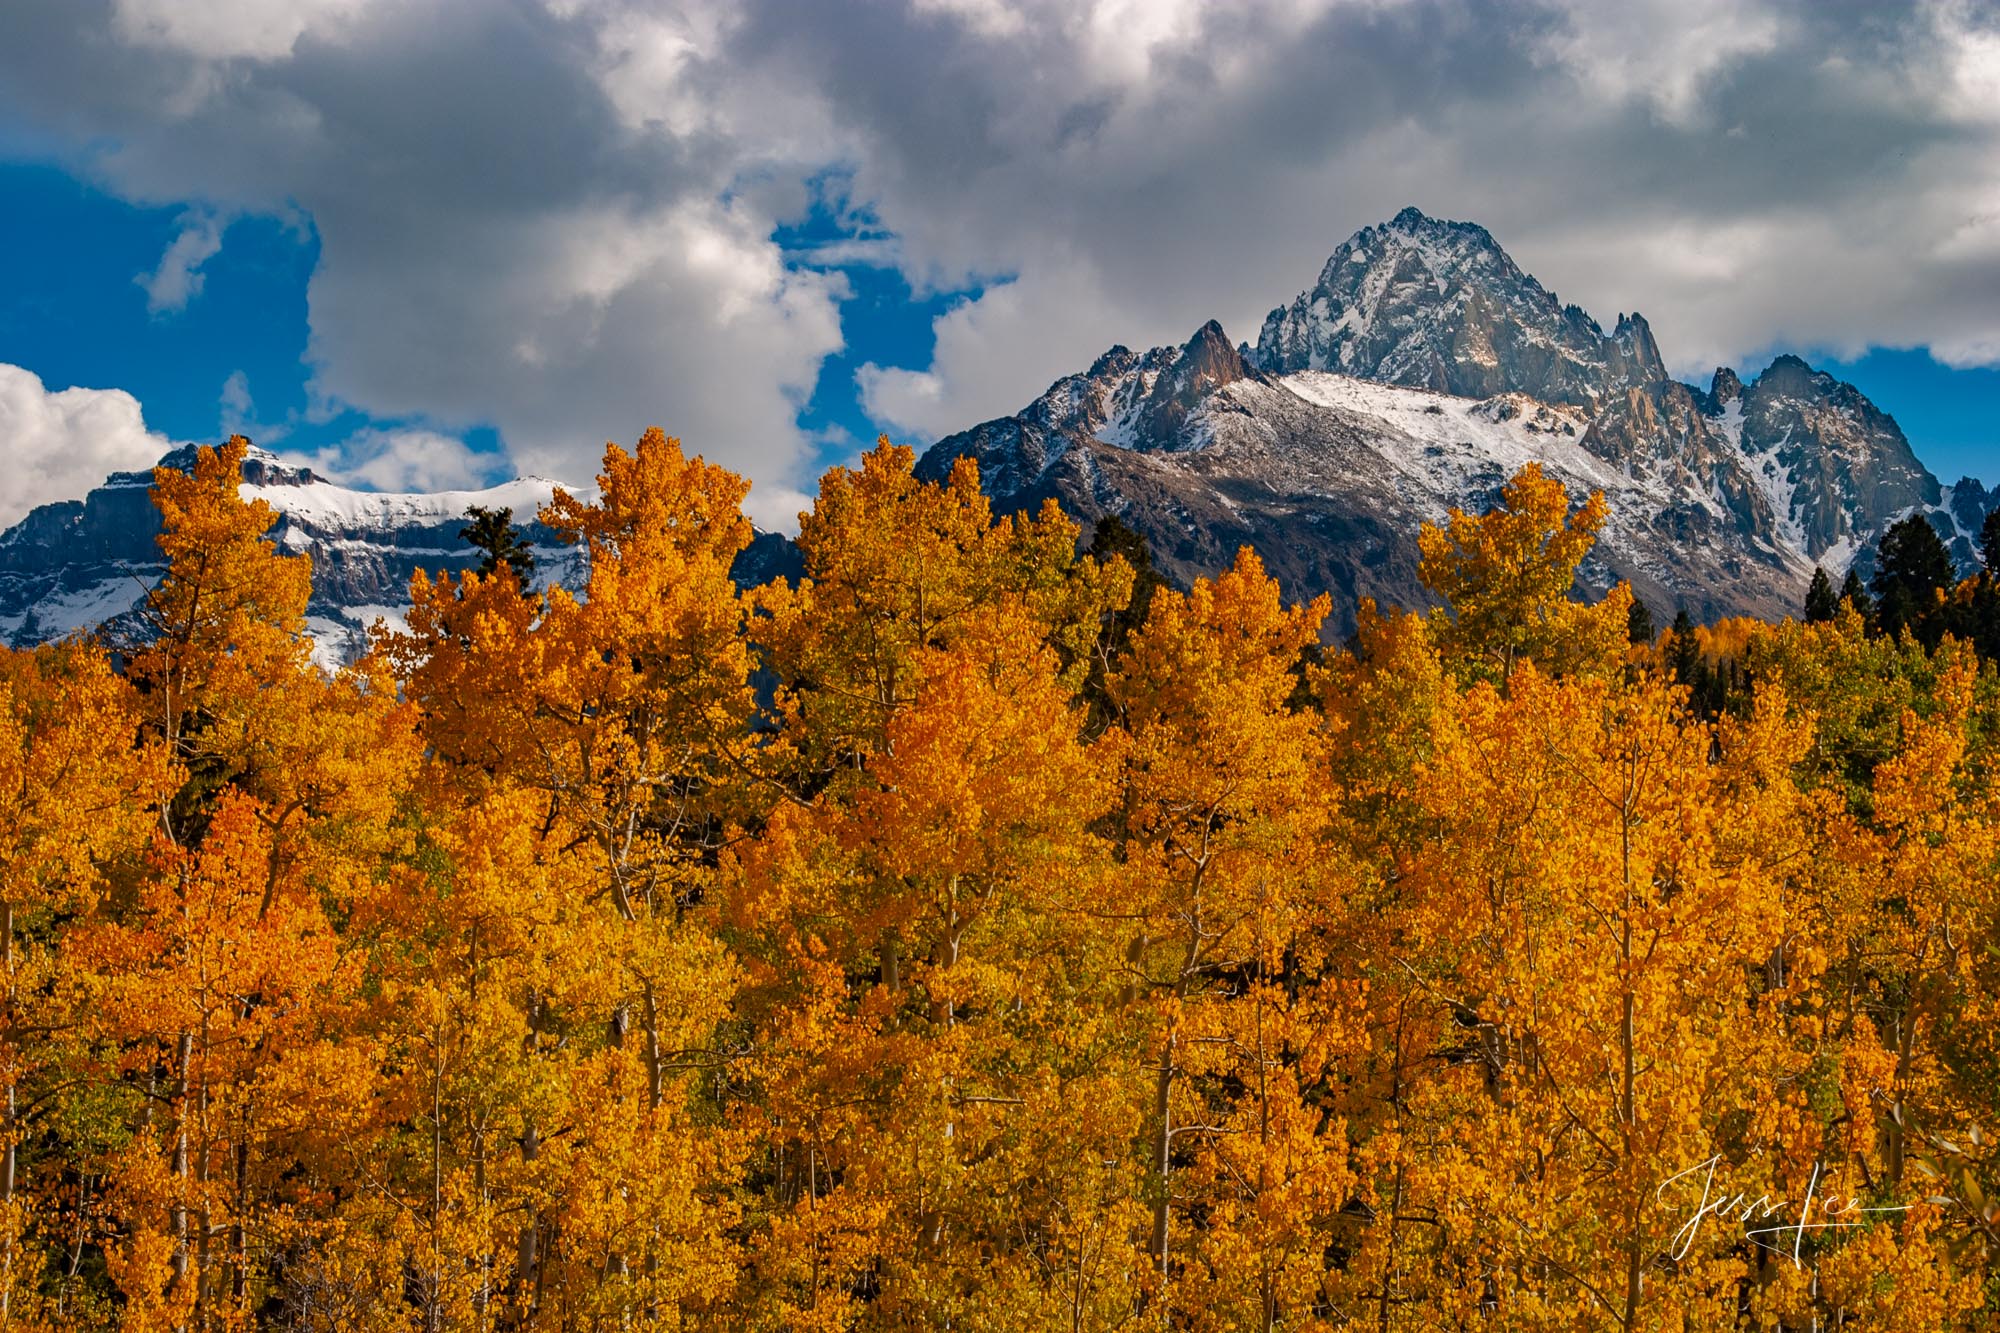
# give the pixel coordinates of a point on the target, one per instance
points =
(324, 506)
(1446, 451)
(86, 563)
(1420, 371)
(1329, 478)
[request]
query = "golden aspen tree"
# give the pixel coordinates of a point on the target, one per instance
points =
(906, 943)
(1588, 926)
(895, 564)
(214, 1003)
(1392, 714)
(1570, 888)
(228, 626)
(73, 787)
(629, 710)
(193, 989)
(228, 682)
(1219, 810)
(1902, 894)
(1506, 577)
(533, 1178)
(979, 819)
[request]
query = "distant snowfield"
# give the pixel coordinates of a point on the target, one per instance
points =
(1456, 439)
(378, 537)
(326, 507)
(1441, 446)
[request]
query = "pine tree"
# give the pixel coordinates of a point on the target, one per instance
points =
(1113, 537)
(1912, 568)
(1855, 593)
(1989, 541)
(494, 532)
(1821, 604)
(1639, 627)
(1684, 652)
(1114, 540)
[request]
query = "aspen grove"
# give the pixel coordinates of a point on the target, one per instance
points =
(981, 934)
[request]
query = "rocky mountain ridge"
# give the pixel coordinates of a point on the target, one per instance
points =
(1421, 369)
(81, 564)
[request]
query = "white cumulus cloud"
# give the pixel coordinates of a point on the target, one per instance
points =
(178, 279)
(557, 217)
(57, 444)
(402, 459)
(229, 29)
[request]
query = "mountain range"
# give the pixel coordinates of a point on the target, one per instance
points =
(1419, 372)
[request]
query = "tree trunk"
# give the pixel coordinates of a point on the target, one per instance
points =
(239, 1236)
(1629, 1098)
(528, 1252)
(9, 1158)
(177, 1220)
(655, 1076)
(1163, 1152)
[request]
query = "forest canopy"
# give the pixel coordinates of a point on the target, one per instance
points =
(952, 939)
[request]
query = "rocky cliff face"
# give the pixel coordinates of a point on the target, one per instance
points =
(1834, 467)
(1431, 304)
(1328, 477)
(85, 563)
(1417, 374)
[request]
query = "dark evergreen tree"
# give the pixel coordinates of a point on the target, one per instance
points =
(1911, 568)
(1114, 537)
(494, 532)
(1821, 604)
(1714, 687)
(1982, 617)
(1684, 652)
(1989, 541)
(1639, 623)
(1855, 593)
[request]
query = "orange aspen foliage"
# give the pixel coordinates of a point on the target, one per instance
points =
(228, 622)
(904, 904)
(895, 565)
(216, 1005)
(1506, 576)
(73, 781)
(1219, 808)
(935, 943)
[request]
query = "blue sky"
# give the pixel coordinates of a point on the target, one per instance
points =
(74, 310)
(431, 242)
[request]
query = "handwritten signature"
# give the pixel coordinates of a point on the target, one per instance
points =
(1834, 1213)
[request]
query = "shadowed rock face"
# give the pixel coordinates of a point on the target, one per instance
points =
(1852, 471)
(1417, 374)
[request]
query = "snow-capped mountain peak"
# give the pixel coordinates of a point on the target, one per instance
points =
(1433, 304)
(82, 563)
(1416, 374)
(1420, 368)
